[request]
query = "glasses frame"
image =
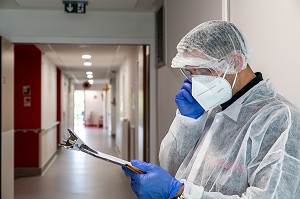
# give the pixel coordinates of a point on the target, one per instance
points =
(188, 72)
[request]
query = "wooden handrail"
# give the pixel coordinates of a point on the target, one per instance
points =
(37, 130)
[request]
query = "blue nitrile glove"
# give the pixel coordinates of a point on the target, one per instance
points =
(186, 103)
(155, 183)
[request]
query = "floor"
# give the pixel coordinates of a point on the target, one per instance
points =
(77, 175)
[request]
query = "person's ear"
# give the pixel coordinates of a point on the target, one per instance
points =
(237, 61)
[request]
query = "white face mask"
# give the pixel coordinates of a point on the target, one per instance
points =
(210, 91)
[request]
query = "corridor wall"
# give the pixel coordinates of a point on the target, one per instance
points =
(27, 105)
(65, 110)
(35, 110)
(128, 101)
(180, 18)
(7, 119)
(123, 102)
(272, 29)
(48, 138)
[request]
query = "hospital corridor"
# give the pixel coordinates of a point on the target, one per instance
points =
(147, 99)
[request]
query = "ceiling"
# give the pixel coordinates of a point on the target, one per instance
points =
(93, 5)
(105, 58)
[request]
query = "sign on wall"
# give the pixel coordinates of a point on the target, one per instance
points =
(77, 7)
(26, 94)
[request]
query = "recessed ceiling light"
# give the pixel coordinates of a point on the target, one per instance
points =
(91, 81)
(87, 63)
(89, 73)
(86, 56)
(90, 76)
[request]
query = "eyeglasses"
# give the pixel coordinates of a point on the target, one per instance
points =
(188, 72)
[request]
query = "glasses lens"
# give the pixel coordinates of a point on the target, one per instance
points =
(203, 71)
(187, 74)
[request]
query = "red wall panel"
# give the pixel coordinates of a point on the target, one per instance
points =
(27, 73)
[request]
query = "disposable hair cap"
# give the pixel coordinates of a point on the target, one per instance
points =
(212, 44)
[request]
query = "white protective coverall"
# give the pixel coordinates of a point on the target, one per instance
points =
(249, 150)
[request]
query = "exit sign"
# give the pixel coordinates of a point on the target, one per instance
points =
(75, 6)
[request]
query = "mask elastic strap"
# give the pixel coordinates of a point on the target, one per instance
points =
(234, 80)
(234, 51)
(225, 73)
(234, 77)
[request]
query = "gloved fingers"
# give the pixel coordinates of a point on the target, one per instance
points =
(176, 186)
(187, 95)
(179, 96)
(187, 86)
(144, 166)
(184, 96)
(131, 174)
(186, 80)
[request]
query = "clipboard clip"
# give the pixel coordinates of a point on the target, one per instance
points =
(73, 142)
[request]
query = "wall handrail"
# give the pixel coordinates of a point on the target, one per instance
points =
(37, 130)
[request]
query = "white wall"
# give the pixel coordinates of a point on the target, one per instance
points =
(48, 144)
(118, 112)
(136, 102)
(123, 92)
(272, 28)
(112, 125)
(127, 98)
(7, 120)
(180, 18)
(107, 110)
(93, 105)
(139, 112)
(64, 108)
(71, 105)
(59, 27)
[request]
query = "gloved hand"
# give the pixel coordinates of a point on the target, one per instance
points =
(186, 103)
(155, 183)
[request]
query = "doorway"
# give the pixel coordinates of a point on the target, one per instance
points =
(79, 110)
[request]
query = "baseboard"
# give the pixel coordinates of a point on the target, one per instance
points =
(33, 171)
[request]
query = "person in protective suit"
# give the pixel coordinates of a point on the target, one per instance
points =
(233, 135)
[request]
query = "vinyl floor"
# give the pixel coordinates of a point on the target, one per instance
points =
(76, 175)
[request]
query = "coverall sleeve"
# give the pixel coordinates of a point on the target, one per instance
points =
(183, 134)
(281, 184)
(274, 166)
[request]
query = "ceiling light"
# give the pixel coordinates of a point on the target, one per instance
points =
(89, 73)
(87, 63)
(86, 56)
(84, 46)
(91, 81)
(90, 76)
